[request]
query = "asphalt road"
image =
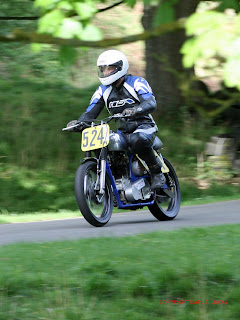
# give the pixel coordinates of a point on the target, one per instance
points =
(122, 224)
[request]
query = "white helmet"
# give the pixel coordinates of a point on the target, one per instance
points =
(112, 65)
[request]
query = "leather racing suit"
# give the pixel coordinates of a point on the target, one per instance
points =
(140, 131)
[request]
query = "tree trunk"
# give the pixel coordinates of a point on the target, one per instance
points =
(163, 60)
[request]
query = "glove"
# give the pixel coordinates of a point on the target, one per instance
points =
(130, 112)
(72, 123)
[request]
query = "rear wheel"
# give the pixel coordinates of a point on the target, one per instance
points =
(96, 209)
(166, 207)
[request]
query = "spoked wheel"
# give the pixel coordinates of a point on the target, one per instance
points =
(167, 204)
(96, 208)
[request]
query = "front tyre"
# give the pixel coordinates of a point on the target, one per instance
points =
(165, 207)
(96, 210)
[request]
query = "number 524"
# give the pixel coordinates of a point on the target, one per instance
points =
(95, 137)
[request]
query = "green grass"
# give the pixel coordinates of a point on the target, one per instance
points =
(38, 161)
(124, 278)
(35, 140)
(221, 191)
(37, 216)
(34, 196)
(31, 195)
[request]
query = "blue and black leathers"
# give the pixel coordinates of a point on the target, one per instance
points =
(134, 92)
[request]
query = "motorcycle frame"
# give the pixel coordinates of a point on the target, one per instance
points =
(103, 160)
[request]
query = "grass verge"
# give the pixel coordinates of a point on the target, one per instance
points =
(52, 200)
(124, 278)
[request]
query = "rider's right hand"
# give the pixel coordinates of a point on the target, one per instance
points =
(73, 123)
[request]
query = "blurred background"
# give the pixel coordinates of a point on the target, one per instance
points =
(43, 87)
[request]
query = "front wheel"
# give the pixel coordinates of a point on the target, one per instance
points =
(95, 208)
(166, 207)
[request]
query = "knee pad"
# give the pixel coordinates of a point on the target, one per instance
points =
(139, 143)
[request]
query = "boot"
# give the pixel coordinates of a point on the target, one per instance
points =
(154, 165)
(158, 178)
(158, 181)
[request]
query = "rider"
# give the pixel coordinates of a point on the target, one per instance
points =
(132, 96)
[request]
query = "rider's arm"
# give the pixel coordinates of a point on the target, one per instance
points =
(147, 100)
(144, 95)
(146, 106)
(95, 107)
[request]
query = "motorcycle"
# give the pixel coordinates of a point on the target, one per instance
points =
(114, 177)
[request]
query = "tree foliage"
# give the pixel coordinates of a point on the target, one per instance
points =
(68, 19)
(215, 35)
(69, 23)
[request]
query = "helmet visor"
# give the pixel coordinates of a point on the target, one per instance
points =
(108, 70)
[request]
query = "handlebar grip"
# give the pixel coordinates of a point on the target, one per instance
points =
(71, 127)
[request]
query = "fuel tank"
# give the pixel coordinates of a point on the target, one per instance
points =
(117, 142)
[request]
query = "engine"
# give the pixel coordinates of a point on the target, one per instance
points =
(129, 191)
(137, 190)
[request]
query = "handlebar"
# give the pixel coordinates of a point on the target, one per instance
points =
(88, 124)
(116, 116)
(71, 127)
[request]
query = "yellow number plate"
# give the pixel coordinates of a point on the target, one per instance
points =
(95, 137)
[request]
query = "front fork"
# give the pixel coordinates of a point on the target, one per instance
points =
(101, 173)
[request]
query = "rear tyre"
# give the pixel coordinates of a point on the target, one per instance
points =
(96, 210)
(165, 207)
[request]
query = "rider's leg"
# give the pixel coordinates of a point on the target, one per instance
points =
(141, 143)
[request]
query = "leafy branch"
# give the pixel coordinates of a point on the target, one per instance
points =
(73, 15)
(33, 37)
